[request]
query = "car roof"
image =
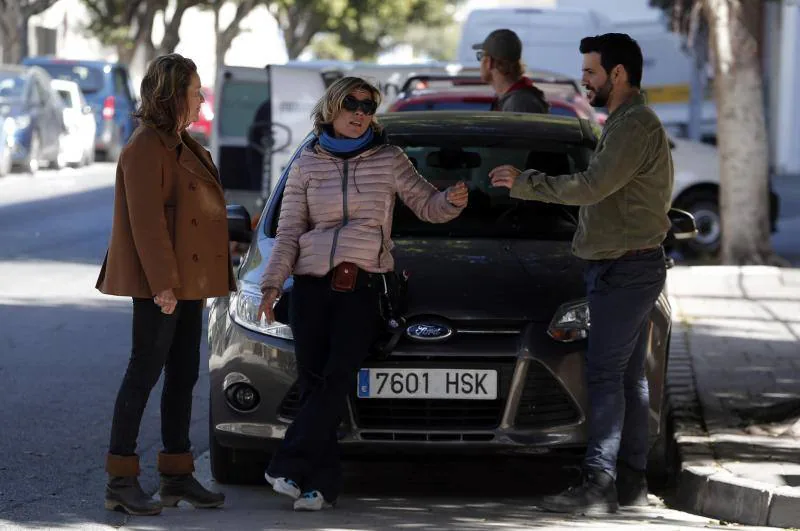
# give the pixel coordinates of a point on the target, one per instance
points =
(433, 125)
(47, 59)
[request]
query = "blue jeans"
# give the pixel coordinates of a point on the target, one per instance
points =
(621, 294)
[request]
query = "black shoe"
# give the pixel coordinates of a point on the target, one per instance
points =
(125, 494)
(594, 495)
(631, 486)
(186, 487)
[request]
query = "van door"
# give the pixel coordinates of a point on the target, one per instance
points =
(261, 114)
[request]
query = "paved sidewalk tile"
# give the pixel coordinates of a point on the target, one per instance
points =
(742, 336)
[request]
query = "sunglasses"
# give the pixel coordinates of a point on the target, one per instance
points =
(352, 104)
(480, 54)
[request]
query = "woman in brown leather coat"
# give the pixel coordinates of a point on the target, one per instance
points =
(334, 236)
(168, 252)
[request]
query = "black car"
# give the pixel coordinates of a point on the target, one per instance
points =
(492, 358)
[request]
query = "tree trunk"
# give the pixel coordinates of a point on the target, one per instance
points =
(172, 28)
(225, 36)
(741, 134)
(10, 25)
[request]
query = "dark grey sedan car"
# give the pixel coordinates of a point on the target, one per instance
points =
(492, 357)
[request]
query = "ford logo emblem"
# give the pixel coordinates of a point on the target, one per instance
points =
(429, 331)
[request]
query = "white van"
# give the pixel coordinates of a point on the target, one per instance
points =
(550, 37)
(262, 114)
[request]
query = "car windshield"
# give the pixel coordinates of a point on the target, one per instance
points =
(89, 79)
(491, 212)
(12, 86)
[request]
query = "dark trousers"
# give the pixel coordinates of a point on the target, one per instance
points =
(160, 341)
(332, 334)
(621, 294)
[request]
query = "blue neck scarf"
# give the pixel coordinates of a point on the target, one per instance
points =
(345, 145)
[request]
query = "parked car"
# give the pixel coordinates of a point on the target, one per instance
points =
(77, 145)
(201, 129)
(36, 110)
(108, 90)
(6, 143)
(696, 188)
(495, 293)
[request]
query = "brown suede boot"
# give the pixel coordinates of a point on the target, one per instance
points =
(178, 483)
(123, 492)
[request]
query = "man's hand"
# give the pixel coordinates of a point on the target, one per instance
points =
(267, 302)
(166, 300)
(458, 194)
(504, 176)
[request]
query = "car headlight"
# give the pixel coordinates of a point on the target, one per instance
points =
(244, 312)
(571, 322)
(22, 122)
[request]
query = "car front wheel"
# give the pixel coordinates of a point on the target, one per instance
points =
(233, 465)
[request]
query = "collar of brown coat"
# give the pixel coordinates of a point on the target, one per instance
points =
(194, 157)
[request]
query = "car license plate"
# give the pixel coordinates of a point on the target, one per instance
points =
(456, 384)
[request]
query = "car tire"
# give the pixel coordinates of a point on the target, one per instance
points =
(32, 164)
(233, 465)
(704, 206)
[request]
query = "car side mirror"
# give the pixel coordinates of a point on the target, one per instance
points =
(239, 227)
(682, 225)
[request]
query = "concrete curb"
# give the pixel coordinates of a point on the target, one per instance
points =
(703, 486)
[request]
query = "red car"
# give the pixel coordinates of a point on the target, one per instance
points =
(201, 129)
(443, 93)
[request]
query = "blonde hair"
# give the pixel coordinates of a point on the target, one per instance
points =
(330, 105)
(510, 69)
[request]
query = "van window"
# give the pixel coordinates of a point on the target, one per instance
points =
(89, 79)
(121, 84)
(66, 97)
(238, 104)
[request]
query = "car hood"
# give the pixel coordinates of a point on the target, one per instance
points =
(488, 281)
(475, 282)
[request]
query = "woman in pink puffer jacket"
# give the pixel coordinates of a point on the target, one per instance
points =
(334, 237)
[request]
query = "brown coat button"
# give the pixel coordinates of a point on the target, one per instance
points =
(192, 186)
(195, 257)
(194, 222)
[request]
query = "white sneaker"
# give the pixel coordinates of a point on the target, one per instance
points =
(311, 501)
(284, 486)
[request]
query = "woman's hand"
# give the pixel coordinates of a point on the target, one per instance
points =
(166, 300)
(458, 194)
(267, 302)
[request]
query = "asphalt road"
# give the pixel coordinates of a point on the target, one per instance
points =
(63, 351)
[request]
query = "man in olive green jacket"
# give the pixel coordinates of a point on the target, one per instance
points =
(624, 195)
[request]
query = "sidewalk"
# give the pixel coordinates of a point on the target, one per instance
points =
(734, 373)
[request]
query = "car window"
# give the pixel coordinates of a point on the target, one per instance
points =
(491, 213)
(12, 86)
(563, 111)
(447, 106)
(88, 78)
(66, 97)
(238, 104)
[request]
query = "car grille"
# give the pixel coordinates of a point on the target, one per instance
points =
(544, 402)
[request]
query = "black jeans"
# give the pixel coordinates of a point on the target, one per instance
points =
(621, 294)
(333, 332)
(160, 341)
